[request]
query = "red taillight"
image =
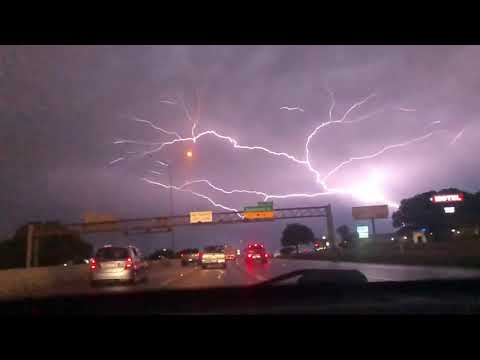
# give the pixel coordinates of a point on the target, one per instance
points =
(93, 264)
(249, 255)
(129, 263)
(266, 255)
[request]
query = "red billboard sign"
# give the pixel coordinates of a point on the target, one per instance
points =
(446, 198)
(370, 212)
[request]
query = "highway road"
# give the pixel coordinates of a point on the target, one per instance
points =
(167, 275)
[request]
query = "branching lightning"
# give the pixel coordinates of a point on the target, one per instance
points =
(358, 191)
(191, 192)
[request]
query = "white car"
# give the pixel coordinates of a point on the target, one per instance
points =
(213, 256)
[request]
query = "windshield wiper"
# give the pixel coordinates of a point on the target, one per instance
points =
(317, 277)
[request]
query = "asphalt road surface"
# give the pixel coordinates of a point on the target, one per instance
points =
(237, 273)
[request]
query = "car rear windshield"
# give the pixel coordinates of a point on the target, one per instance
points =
(214, 249)
(112, 254)
(190, 251)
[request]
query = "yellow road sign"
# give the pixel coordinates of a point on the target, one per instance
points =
(252, 215)
(201, 217)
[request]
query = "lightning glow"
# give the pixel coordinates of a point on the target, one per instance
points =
(378, 153)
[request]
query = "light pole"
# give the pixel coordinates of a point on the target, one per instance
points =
(170, 179)
(188, 154)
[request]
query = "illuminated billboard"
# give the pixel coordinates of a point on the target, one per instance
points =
(362, 231)
(445, 198)
(449, 209)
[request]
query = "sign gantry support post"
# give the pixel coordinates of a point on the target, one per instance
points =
(28, 260)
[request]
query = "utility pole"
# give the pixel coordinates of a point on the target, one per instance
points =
(374, 232)
(172, 230)
(330, 226)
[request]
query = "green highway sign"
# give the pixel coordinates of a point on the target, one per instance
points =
(257, 208)
(261, 206)
(265, 204)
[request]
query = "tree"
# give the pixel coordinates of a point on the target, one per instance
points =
(349, 238)
(53, 250)
(420, 212)
(296, 234)
(286, 250)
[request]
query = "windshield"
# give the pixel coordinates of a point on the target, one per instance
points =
(214, 249)
(190, 251)
(112, 254)
(282, 158)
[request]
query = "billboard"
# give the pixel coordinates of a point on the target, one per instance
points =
(252, 215)
(370, 212)
(446, 198)
(92, 219)
(201, 217)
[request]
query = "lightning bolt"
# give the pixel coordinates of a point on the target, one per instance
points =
(378, 153)
(216, 134)
(307, 162)
(321, 126)
(169, 102)
(235, 191)
(191, 192)
(157, 127)
(405, 109)
(292, 108)
(161, 163)
(458, 136)
(116, 160)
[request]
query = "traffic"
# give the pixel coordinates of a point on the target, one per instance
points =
(126, 265)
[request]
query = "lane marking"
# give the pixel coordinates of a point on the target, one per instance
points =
(256, 276)
(177, 278)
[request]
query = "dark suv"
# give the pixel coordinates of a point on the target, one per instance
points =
(190, 256)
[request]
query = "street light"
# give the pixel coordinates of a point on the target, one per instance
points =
(169, 164)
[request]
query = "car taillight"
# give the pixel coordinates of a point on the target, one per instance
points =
(129, 263)
(249, 255)
(266, 255)
(94, 265)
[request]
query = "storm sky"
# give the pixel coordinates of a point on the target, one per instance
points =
(63, 107)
